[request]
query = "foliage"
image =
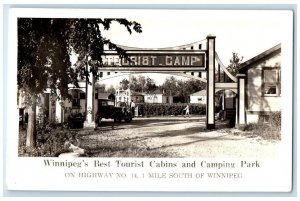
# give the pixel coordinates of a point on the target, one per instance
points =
(234, 64)
(110, 89)
(170, 86)
(138, 84)
(142, 83)
(105, 89)
(233, 68)
(166, 109)
(124, 84)
(50, 141)
(270, 130)
(182, 88)
(45, 46)
(150, 85)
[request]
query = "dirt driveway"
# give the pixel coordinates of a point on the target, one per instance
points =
(173, 137)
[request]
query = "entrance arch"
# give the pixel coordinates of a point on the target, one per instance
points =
(176, 61)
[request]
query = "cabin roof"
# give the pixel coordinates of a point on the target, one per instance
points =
(248, 64)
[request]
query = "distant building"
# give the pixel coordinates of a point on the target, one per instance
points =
(137, 97)
(263, 84)
(123, 96)
(157, 96)
(198, 97)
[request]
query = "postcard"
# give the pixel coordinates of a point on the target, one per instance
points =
(149, 100)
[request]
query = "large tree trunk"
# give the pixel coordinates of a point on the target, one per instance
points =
(31, 128)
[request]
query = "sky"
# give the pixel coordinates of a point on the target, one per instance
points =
(246, 32)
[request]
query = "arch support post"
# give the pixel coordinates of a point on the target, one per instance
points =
(210, 86)
(241, 104)
(89, 122)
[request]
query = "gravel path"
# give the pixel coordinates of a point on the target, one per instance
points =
(182, 137)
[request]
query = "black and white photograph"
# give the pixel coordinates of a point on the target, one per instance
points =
(111, 97)
(81, 94)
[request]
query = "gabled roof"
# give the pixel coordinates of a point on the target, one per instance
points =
(274, 50)
(199, 93)
(136, 94)
(104, 94)
(156, 91)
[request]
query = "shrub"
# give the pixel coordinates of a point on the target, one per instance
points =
(166, 109)
(275, 119)
(270, 130)
(50, 142)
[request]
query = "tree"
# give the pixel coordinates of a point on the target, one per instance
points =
(170, 86)
(44, 49)
(191, 86)
(142, 82)
(111, 89)
(134, 84)
(182, 88)
(150, 85)
(234, 64)
(124, 84)
(232, 68)
(139, 84)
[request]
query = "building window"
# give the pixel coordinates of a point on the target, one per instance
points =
(76, 103)
(271, 82)
(264, 118)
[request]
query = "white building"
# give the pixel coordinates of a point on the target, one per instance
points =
(263, 84)
(157, 96)
(198, 97)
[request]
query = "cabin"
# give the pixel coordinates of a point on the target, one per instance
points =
(262, 85)
(198, 97)
(157, 96)
(137, 97)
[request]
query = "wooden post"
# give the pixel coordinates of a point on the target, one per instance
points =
(241, 114)
(89, 122)
(210, 103)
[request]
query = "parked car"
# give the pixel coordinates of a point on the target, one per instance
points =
(108, 110)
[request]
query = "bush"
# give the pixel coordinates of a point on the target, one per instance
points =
(50, 142)
(275, 119)
(167, 109)
(270, 130)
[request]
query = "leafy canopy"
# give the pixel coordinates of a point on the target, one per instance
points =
(45, 46)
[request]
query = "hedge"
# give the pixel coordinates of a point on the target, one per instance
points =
(167, 109)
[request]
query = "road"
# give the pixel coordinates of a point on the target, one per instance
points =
(152, 122)
(173, 137)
